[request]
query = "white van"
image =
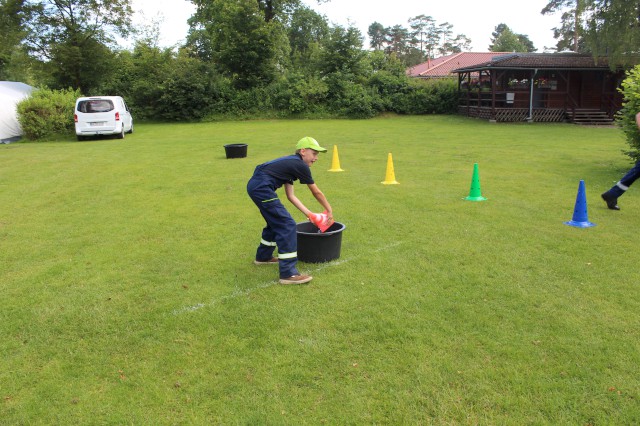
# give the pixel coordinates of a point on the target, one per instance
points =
(102, 115)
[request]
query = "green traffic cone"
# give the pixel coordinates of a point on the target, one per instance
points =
(475, 194)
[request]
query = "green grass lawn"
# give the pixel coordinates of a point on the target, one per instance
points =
(129, 295)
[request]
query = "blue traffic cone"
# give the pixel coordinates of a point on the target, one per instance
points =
(580, 218)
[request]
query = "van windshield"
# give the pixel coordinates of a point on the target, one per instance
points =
(95, 105)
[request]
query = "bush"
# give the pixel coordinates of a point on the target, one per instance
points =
(221, 92)
(299, 94)
(250, 101)
(358, 102)
(426, 97)
(187, 92)
(387, 83)
(349, 98)
(626, 117)
(47, 113)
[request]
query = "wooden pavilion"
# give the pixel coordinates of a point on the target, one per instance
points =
(541, 87)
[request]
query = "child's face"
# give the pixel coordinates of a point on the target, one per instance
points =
(309, 156)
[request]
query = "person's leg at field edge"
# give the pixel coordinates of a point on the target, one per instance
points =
(612, 195)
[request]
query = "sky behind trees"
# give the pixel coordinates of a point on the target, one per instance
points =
(476, 22)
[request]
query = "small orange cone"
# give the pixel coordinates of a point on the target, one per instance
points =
(335, 163)
(320, 220)
(390, 178)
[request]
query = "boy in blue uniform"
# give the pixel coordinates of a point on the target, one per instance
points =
(611, 196)
(281, 228)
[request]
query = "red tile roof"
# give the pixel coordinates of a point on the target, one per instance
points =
(444, 65)
(540, 61)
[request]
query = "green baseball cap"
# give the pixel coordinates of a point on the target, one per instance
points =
(308, 142)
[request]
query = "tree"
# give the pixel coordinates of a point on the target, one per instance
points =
(378, 62)
(272, 9)
(602, 27)
(528, 44)
(305, 30)
(343, 68)
(569, 34)
(234, 35)
(141, 76)
(626, 117)
(445, 40)
(505, 40)
(432, 38)
(71, 37)
(187, 92)
(460, 43)
(397, 40)
(412, 57)
(79, 62)
(421, 26)
(343, 51)
(429, 37)
(614, 30)
(12, 17)
(377, 35)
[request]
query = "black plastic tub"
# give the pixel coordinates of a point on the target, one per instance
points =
(317, 247)
(236, 150)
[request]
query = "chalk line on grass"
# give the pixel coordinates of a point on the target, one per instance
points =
(245, 292)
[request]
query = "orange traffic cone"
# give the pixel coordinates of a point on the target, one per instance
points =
(390, 178)
(335, 163)
(320, 220)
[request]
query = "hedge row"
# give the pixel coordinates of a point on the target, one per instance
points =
(50, 112)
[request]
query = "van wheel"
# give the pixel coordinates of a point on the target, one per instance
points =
(121, 134)
(80, 138)
(131, 129)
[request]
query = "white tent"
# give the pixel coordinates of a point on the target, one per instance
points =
(11, 93)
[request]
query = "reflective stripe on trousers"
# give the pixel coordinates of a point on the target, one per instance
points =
(280, 228)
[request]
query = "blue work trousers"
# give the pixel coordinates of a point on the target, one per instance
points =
(280, 230)
(619, 188)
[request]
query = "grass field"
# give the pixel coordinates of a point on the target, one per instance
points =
(129, 295)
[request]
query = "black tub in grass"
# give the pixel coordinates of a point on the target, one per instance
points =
(236, 150)
(317, 247)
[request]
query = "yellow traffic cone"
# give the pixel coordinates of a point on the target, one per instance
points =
(390, 179)
(335, 163)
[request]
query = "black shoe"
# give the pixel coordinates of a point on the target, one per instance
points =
(612, 203)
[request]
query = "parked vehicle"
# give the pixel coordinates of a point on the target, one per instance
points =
(102, 115)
